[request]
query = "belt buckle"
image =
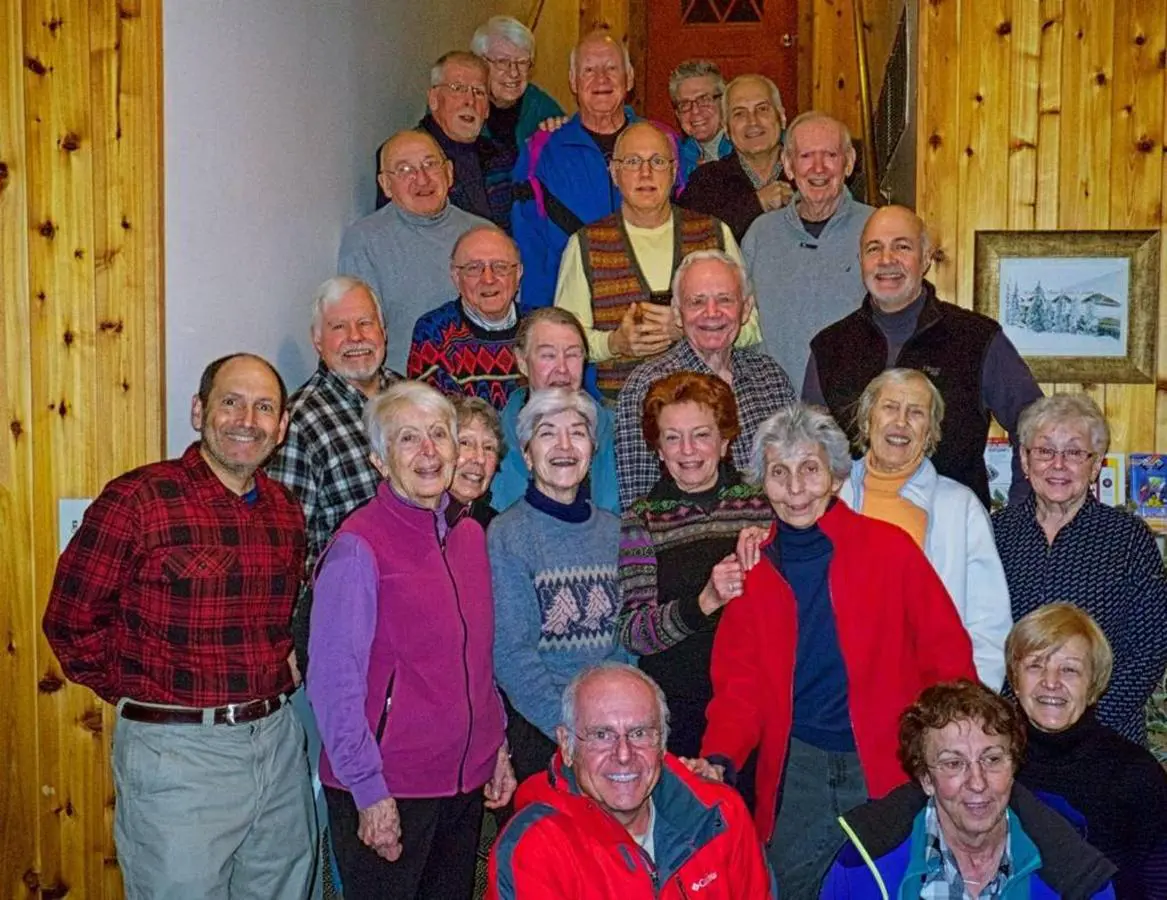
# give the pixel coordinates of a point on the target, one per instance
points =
(229, 715)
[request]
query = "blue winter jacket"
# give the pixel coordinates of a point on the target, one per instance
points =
(570, 166)
(690, 154)
(884, 858)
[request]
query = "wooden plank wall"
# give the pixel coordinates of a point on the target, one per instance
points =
(81, 394)
(1046, 115)
(834, 63)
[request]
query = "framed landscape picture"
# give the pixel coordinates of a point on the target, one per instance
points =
(1078, 305)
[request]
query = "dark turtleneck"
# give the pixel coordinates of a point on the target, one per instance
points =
(822, 717)
(579, 510)
(1120, 790)
(898, 326)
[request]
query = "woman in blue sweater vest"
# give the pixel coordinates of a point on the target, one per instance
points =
(553, 569)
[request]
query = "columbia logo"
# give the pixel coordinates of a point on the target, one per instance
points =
(703, 882)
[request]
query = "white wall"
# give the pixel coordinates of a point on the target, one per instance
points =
(273, 111)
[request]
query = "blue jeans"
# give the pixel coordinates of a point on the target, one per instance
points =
(818, 787)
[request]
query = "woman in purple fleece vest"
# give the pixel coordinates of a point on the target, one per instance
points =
(400, 667)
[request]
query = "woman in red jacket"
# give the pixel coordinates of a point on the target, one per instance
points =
(840, 624)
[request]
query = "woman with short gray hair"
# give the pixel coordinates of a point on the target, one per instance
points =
(1063, 544)
(400, 671)
(516, 106)
(898, 421)
(840, 623)
(553, 565)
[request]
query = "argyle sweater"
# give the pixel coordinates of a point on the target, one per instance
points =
(457, 356)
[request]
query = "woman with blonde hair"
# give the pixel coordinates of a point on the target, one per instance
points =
(1059, 666)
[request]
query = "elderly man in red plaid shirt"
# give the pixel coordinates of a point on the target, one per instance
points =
(173, 601)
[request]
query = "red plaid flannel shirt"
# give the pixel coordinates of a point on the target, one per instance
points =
(175, 590)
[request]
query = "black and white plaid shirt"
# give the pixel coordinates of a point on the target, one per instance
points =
(759, 385)
(324, 460)
(944, 881)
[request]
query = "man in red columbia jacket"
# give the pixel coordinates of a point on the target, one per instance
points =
(617, 816)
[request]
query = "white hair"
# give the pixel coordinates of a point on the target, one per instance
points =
(567, 707)
(813, 115)
(743, 277)
(381, 409)
(798, 425)
(1059, 409)
(599, 31)
(502, 28)
(332, 291)
(771, 89)
(549, 402)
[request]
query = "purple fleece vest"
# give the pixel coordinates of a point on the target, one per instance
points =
(434, 644)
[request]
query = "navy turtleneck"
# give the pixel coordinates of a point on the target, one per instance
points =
(579, 510)
(822, 717)
(898, 326)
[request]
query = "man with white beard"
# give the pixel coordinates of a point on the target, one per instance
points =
(324, 461)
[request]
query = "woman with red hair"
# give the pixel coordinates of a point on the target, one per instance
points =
(677, 563)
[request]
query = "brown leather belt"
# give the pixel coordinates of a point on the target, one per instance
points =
(231, 714)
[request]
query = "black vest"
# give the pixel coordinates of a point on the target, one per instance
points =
(948, 345)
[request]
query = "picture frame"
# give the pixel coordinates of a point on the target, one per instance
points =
(1080, 306)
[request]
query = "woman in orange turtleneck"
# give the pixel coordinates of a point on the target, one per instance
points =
(898, 417)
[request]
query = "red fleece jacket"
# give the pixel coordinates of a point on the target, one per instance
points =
(898, 630)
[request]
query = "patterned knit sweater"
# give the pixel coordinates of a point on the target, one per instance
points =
(1106, 562)
(457, 356)
(555, 603)
(669, 543)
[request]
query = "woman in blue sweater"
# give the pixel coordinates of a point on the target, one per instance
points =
(553, 569)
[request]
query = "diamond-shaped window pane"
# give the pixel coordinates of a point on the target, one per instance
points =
(744, 11)
(700, 12)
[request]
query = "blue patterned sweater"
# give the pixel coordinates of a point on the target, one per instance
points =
(556, 598)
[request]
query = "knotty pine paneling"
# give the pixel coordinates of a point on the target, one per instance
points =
(1046, 115)
(82, 392)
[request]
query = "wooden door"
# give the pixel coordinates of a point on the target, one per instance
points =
(739, 35)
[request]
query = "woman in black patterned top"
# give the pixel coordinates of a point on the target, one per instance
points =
(1062, 545)
(677, 568)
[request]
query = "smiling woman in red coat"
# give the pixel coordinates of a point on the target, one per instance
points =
(840, 624)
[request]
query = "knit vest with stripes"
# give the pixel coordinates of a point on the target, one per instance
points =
(617, 281)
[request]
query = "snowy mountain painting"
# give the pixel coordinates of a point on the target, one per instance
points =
(1066, 306)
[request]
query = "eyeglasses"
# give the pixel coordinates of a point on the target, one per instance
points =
(992, 762)
(1072, 456)
(643, 738)
(704, 101)
(477, 90)
(657, 162)
(500, 267)
(408, 171)
(523, 64)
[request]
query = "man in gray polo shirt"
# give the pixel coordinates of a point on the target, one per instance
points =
(803, 258)
(402, 251)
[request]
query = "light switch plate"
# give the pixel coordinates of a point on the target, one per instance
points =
(69, 513)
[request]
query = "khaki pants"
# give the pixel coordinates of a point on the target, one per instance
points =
(214, 811)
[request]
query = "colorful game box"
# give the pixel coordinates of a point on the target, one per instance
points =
(1148, 476)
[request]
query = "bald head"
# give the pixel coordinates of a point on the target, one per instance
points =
(894, 255)
(644, 168)
(415, 173)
